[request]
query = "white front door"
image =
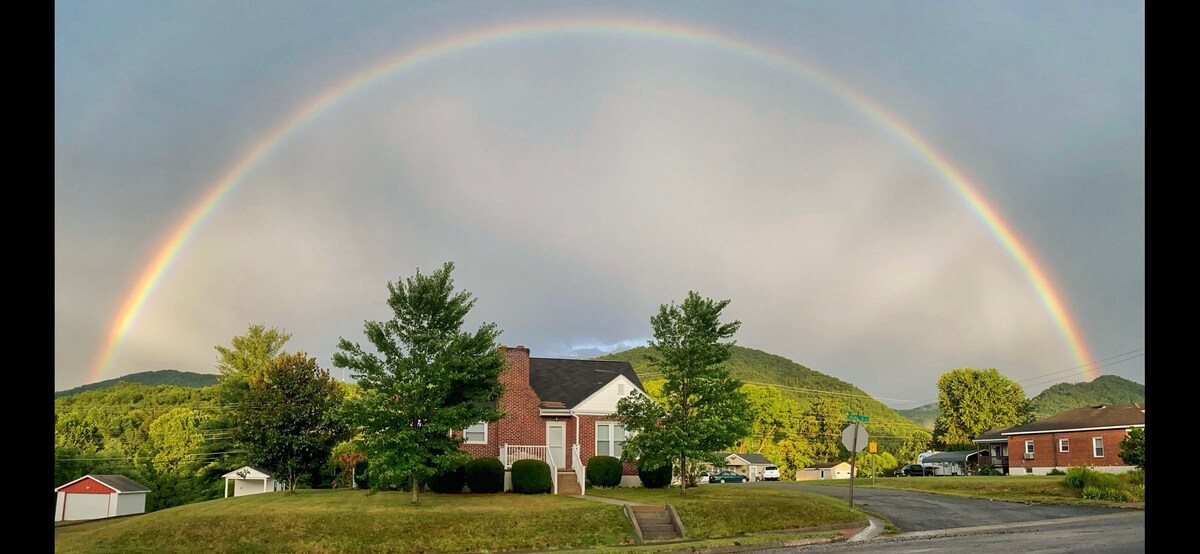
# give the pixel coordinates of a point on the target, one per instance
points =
(556, 442)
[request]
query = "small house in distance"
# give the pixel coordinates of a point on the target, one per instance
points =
(830, 470)
(249, 480)
(99, 496)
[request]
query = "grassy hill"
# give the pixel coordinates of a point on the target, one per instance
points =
(1105, 389)
(152, 378)
(925, 416)
(756, 366)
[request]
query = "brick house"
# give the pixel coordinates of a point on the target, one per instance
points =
(558, 411)
(1084, 436)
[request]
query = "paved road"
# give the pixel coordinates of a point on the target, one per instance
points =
(1118, 533)
(916, 511)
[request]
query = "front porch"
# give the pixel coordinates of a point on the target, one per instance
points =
(567, 474)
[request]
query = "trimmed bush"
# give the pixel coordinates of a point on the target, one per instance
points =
(655, 478)
(449, 481)
(1056, 471)
(603, 471)
(531, 477)
(485, 475)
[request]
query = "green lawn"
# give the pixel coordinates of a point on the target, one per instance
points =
(711, 511)
(1046, 489)
(353, 521)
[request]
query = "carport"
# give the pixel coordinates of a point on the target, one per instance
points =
(959, 462)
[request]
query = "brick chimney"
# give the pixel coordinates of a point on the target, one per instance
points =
(522, 423)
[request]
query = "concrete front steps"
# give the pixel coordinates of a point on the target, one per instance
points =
(568, 484)
(655, 523)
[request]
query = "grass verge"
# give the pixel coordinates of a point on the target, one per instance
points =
(1040, 489)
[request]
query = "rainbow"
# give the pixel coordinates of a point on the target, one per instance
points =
(512, 32)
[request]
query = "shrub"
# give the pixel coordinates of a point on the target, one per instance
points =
(360, 475)
(485, 475)
(1108, 494)
(603, 471)
(1056, 471)
(450, 480)
(655, 478)
(989, 469)
(531, 477)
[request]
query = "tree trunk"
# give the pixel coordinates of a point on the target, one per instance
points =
(414, 487)
(684, 473)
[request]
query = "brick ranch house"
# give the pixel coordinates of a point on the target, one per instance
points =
(1088, 436)
(558, 411)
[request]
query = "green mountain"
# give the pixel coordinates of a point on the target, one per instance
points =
(152, 378)
(1105, 389)
(799, 382)
(925, 416)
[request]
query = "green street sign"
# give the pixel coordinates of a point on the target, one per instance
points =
(856, 417)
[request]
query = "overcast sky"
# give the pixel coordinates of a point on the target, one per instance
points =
(580, 180)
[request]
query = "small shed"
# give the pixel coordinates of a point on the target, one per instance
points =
(99, 496)
(250, 480)
(830, 470)
(750, 465)
(958, 462)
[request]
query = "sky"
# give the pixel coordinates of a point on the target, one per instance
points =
(885, 191)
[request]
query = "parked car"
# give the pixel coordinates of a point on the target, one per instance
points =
(727, 477)
(771, 473)
(911, 470)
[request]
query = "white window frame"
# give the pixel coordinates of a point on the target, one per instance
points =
(612, 425)
(1064, 445)
(485, 434)
(1101, 454)
(1029, 447)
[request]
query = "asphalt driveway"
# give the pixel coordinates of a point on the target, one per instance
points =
(919, 511)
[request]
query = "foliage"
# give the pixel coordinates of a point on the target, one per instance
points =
(343, 460)
(178, 436)
(656, 478)
(1133, 448)
(1105, 389)
(286, 420)
(152, 378)
(604, 471)
(531, 477)
(248, 357)
(874, 465)
(1056, 471)
(795, 381)
(989, 469)
(485, 475)
(775, 417)
(428, 380)
(450, 480)
(822, 427)
(703, 410)
(918, 442)
(925, 416)
(973, 402)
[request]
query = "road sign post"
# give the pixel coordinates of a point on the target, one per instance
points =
(854, 438)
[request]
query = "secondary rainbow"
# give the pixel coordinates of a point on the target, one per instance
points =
(489, 36)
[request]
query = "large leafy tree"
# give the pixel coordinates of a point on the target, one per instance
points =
(427, 380)
(287, 419)
(973, 402)
(247, 358)
(822, 427)
(774, 418)
(703, 408)
(918, 442)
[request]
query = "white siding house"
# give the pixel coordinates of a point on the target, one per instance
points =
(99, 496)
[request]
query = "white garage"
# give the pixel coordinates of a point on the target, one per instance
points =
(99, 496)
(250, 480)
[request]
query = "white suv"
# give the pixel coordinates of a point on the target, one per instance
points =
(771, 473)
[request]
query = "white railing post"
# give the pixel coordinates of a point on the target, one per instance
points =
(577, 465)
(553, 472)
(504, 454)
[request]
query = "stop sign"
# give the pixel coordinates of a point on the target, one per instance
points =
(848, 438)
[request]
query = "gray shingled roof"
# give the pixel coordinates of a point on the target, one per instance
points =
(121, 483)
(1091, 417)
(572, 381)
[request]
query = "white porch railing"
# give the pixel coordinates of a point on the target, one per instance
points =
(577, 465)
(510, 453)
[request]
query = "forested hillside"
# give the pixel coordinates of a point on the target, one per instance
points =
(800, 383)
(1105, 389)
(925, 416)
(160, 377)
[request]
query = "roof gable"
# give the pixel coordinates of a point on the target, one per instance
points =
(116, 483)
(247, 472)
(1090, 417)
(570, 382)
